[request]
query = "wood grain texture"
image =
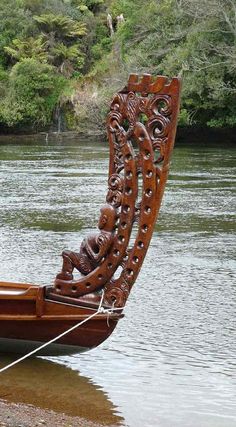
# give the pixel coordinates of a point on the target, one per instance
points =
(141, 127)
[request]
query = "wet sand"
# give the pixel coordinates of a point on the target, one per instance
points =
(48, 389)
(21, 415)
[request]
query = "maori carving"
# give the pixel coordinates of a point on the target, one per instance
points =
(141, 128)
(115, 190)
(117, 295)
(93, 248)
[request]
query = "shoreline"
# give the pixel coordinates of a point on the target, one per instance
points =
(189, 135)
(48, 136)
(25, 415)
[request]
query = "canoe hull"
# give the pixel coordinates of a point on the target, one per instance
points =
(16, 346)
(29, 318)
(24, 336)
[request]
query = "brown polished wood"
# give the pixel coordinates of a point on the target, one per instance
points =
(28, 318)
(141, 127)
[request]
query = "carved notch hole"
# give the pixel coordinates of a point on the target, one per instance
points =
(129, 174)
(129, 272)
(128, 191)
(148, 192)
(142, 136)
(149, 174)
(116, 252)
(126, 209)
(147, 210)
(121, 239)
(140, 244)
(128, 157)
(144, 228)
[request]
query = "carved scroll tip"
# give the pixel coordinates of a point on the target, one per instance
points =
(177, 82)
(173, 85)
(132, 82)
(158, 84)
(146, 83)
(146, 78)
(133, 78)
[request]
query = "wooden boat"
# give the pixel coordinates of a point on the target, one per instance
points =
(141, 128)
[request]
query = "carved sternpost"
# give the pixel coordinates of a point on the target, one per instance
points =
(150, 107)
(142, 118)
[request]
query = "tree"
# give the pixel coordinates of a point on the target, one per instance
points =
(15, 22)
(59, 27)
(34, 90)
(60, 33)
(196, 39)
(27, 48)
(67, 58)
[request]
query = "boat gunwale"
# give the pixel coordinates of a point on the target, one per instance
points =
(64, 317)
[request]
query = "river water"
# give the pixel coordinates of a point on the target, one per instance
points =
(171, 362)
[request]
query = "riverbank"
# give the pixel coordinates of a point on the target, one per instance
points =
(21, 415)
(48, 137)
(191, 134)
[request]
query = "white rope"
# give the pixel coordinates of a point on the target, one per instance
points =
(99, 310)
(48, 343)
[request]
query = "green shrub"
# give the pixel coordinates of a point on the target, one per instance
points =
(33, 94)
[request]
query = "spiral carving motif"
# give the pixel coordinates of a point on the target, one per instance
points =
(161, 104)
(115, 182)
(142, 118)
(117, 295)
(113, 121)
(115, 190)
(130, 107)
(152, 114)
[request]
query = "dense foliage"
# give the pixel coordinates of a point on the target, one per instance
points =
(194, 38)
(67, 52)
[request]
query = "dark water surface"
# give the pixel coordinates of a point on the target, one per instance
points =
(172, 360)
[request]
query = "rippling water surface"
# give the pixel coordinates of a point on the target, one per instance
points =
(172, 360)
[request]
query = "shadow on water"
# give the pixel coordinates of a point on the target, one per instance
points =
(49, 385)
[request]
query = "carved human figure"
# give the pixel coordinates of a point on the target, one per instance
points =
(93, 248)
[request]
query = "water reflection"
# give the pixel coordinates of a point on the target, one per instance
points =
(171, 361)
(50, 385)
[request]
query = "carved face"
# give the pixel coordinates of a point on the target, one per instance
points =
(107, 219)
(102, 221)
